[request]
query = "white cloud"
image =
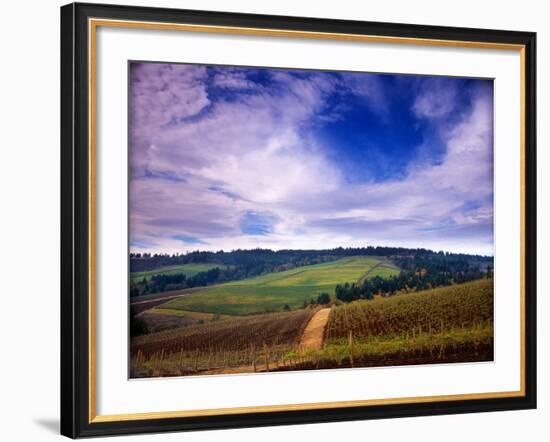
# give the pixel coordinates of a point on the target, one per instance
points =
(196, 177)
(436, 98)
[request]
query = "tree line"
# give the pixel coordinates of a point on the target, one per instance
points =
(179, 281)
(242, 264)
(417, 275)
(285, 259)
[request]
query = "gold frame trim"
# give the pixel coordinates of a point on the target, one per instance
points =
(93, 24)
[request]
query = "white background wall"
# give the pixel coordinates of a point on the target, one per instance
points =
(29, 222)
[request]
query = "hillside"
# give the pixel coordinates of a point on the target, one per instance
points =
(272, 291)
(189, 270)
(448, 324)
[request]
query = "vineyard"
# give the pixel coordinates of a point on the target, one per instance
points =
(449, 324)
(436, 310)
(249, 341)
(454, 345)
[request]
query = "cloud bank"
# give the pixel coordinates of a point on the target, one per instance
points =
(226, 158)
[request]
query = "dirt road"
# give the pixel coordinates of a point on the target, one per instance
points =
(312, 338)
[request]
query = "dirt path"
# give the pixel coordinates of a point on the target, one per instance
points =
(312, 338)
(385, 264)
(368, 272)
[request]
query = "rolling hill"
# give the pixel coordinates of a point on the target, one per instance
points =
(272, 291)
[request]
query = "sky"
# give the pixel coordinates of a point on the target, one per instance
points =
(223, 158)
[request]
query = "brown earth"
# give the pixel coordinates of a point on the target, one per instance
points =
(312, 338)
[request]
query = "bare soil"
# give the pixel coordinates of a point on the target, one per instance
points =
(312, 338)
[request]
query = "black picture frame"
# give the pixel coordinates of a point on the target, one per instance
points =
(75, 221)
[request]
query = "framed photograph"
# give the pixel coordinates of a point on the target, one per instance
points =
(275, 220)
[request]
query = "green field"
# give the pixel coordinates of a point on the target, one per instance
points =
(189, 270)
(272, 291)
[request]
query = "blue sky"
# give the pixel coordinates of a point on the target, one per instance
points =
(226, 158)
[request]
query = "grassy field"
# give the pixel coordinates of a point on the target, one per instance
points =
(189, 270)
(272, 291)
